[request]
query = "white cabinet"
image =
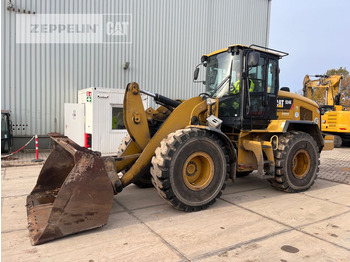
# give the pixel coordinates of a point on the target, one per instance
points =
(103, 125)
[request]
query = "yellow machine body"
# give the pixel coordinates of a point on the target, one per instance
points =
(335, 117)
(337, 121)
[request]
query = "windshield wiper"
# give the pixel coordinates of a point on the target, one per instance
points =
(218, 88)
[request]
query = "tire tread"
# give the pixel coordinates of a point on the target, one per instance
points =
(285, 142)
(161, 162)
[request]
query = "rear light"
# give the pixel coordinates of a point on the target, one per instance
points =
(323, 121)
(342, 128)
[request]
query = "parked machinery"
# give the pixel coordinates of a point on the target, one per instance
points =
(335, 117)
(187, 148)
(6, 131)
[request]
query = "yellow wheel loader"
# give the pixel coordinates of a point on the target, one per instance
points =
(187, 148)
(335, 117)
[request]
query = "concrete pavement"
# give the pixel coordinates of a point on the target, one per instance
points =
(250, 222)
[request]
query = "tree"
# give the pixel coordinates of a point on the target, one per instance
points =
(340, 71)
(345, 89)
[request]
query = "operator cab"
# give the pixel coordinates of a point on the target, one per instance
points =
(245, 79)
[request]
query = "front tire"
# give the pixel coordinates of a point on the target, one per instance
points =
(190, 169)
(297, 162)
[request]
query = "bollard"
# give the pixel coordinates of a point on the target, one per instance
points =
(36, 150)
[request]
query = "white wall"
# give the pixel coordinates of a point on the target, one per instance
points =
(168, 39)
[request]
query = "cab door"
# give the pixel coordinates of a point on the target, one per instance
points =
(260, 93)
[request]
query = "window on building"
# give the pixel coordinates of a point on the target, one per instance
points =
(117, 118)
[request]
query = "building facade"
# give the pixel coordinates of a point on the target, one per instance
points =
(167, 39)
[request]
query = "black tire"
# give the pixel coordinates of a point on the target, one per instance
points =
(243, 174)
(297, 162)
(145, 180)
(5, 147)
(190, 169)
(338, 142)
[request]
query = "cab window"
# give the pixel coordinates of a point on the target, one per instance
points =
(271, 76)
(257, 77)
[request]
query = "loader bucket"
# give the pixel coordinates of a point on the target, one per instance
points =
(73, 193)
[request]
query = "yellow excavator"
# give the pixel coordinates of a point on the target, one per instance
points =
(335, 117)
(187, 149)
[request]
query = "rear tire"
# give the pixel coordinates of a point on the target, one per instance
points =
(145, 180)
(5, 147)
(338, 142)
(297, 162)
(243, 174)
(190, 169)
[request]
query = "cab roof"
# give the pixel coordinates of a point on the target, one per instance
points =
(280, 54)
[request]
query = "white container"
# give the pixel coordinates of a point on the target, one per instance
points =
(96, 122)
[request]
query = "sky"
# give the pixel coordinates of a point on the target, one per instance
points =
(315, 33)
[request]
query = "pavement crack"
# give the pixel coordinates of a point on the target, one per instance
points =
(4, 173)
(256, 213)
(14, 230)
(135, 209)
(243, 191)
(178, 252)
(14, 196)
(298, 228)
(322, 239)
(150, 206)
(230, 248)
(334, 181)
(322, 220)
(326, 200)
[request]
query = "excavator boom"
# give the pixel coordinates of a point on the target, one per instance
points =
(330, 85)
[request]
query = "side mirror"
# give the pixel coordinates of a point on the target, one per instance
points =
(195, 74)
(253, 59)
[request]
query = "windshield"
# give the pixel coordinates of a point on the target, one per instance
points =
(218, 77)
(218, 69)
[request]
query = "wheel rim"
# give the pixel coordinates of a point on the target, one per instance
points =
(198, 171)
(301, 164)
